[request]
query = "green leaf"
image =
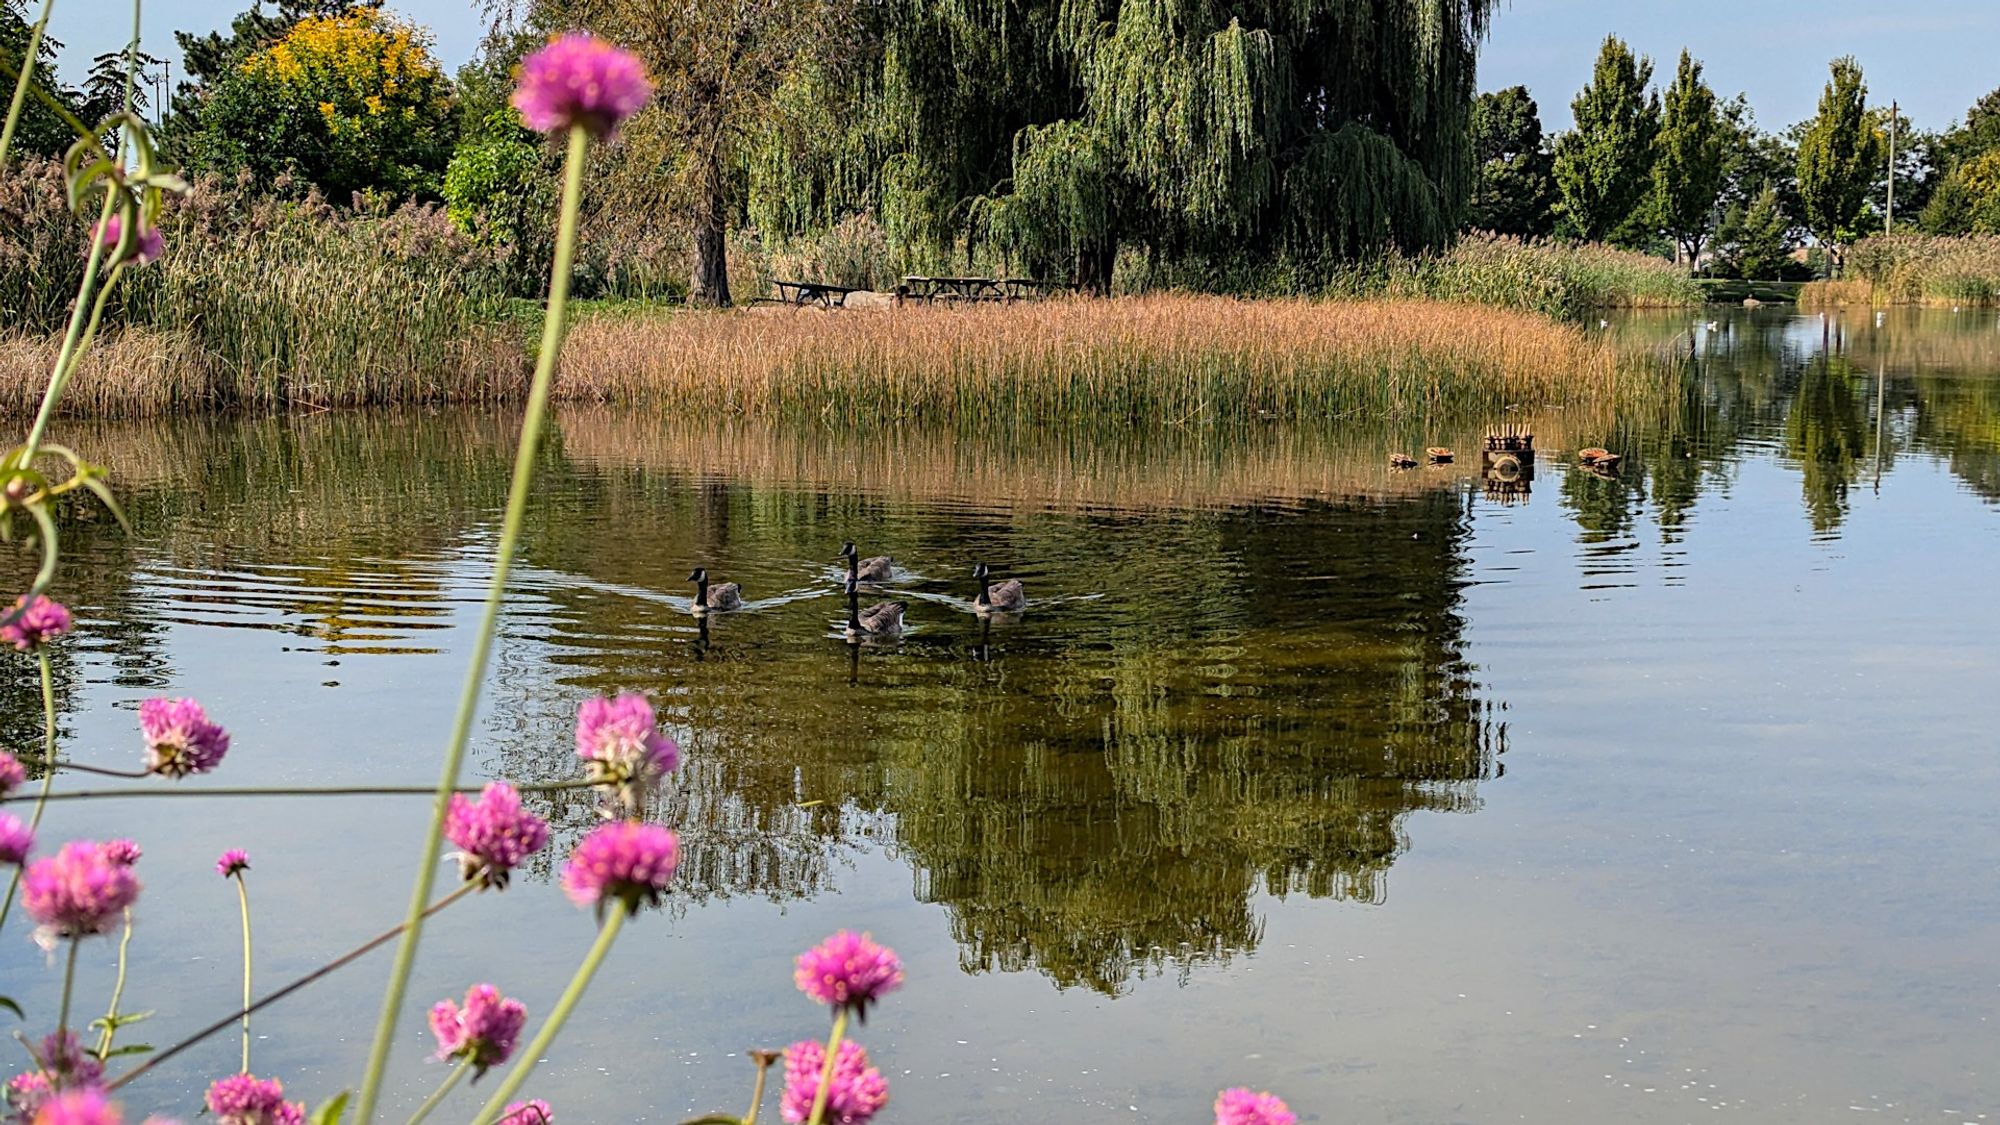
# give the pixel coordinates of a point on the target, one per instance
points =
(103, 492)
(130, 1049)
(7, 1002)
(331, 1112)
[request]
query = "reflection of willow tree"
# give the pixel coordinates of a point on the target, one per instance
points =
(1827, 432)
(1103, 799)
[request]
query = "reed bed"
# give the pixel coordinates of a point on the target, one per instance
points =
(1925, 269)
(1125, 361)
(1836, 294)
(1559, 279)
(132, 374)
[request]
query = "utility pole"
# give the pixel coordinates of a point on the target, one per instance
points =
(1889, 227)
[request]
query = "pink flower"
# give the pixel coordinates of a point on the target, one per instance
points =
(12, 773)
(179, 738)
(1239, 1106)
(534, 1111)
(857, 1092)
(242, 1100)
(16, 840)
(63, 1056)
(145, 248)
(37, 622)
(620, 744)
(233, 862)
(580, 80)
(123, 851)
(79, 890)
(623, 860)
(25, 1094)
(848, 970)
(494, 833)
(484, 1031)
(79, 1107)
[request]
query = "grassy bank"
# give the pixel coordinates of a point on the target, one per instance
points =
(1568, 281)
(1148, 359)
(1914, 269)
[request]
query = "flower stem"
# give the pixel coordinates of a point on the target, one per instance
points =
(475, 673)
(48, 770)
(437, 1095)
(826, 1070)
(69, 986)
(323, 971)
(297, 791)
(21, 83)
(567, 1002)
(117, 992)
(243, 898)
(763, 1059)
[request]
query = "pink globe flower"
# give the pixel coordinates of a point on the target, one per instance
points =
(848, 970)
(580, 80)
(623, 861)
(36, 623)
(12, 774)
(147, 247)
(856, 1093)
(620, 743)
(1241, 1106)
(493, 833)
(232, 863)
(534, 1111)
(123, 851)
(242, 1100)
(179, 738)
(79, 1107)
(484, 1031)
(16, 840)
(78, 891)
(62, 1056)
(26, 1093)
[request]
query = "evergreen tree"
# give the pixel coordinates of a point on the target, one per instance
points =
(1754, 240)
(1603, 166)
(1840, 156)
(1515, 189)
(1688, 161)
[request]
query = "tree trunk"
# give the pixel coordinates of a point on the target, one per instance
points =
(710, 285)
(1093, 267)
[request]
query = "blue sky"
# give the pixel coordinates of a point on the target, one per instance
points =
(1934, 57)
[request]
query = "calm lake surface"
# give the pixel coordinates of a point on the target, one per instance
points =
(1655, 797)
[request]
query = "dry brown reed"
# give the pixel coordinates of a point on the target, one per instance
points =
(1836, 294)
(136, 373)
(1161, 359)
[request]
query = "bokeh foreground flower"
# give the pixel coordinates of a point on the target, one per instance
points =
(856, 1093)
(625, 861)
(1240, 1105)
(580, 80)
(243, 1100)
(78, 891)
(41, 621)
(483, 1032)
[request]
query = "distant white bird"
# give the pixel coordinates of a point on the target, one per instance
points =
(1607, 324)
(1880, 317)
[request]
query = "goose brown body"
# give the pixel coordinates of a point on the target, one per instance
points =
(877, 569)
(722, 595)
(1004, 597)
(880, 619)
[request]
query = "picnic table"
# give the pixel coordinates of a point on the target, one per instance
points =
(804, 293)
(952, 289)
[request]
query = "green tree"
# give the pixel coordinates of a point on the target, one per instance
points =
(41, 131)
(1688, 161)
(1754, 240)
(1840, 157)
(1515, 190)
(1049, 138)
(1603, 166)
(349, 103)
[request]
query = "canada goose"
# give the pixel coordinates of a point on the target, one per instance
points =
(878, 620)
(1007, 597)
(728, 595)
(877, 569)
(1439, 455)
(1402, 461)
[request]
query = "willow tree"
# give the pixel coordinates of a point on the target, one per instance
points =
(1058, 132)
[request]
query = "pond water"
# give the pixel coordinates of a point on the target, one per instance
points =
(1654, 796)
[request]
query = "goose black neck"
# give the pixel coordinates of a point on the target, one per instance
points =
(701, 590)
(853, 608)
(984, 583)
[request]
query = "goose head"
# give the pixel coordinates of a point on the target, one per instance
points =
(700, 576)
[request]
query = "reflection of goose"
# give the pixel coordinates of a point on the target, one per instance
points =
(875, 569)
(1402, 461)
(1439, 455)
(879, 620)
(727, 595)
(1007, 597)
